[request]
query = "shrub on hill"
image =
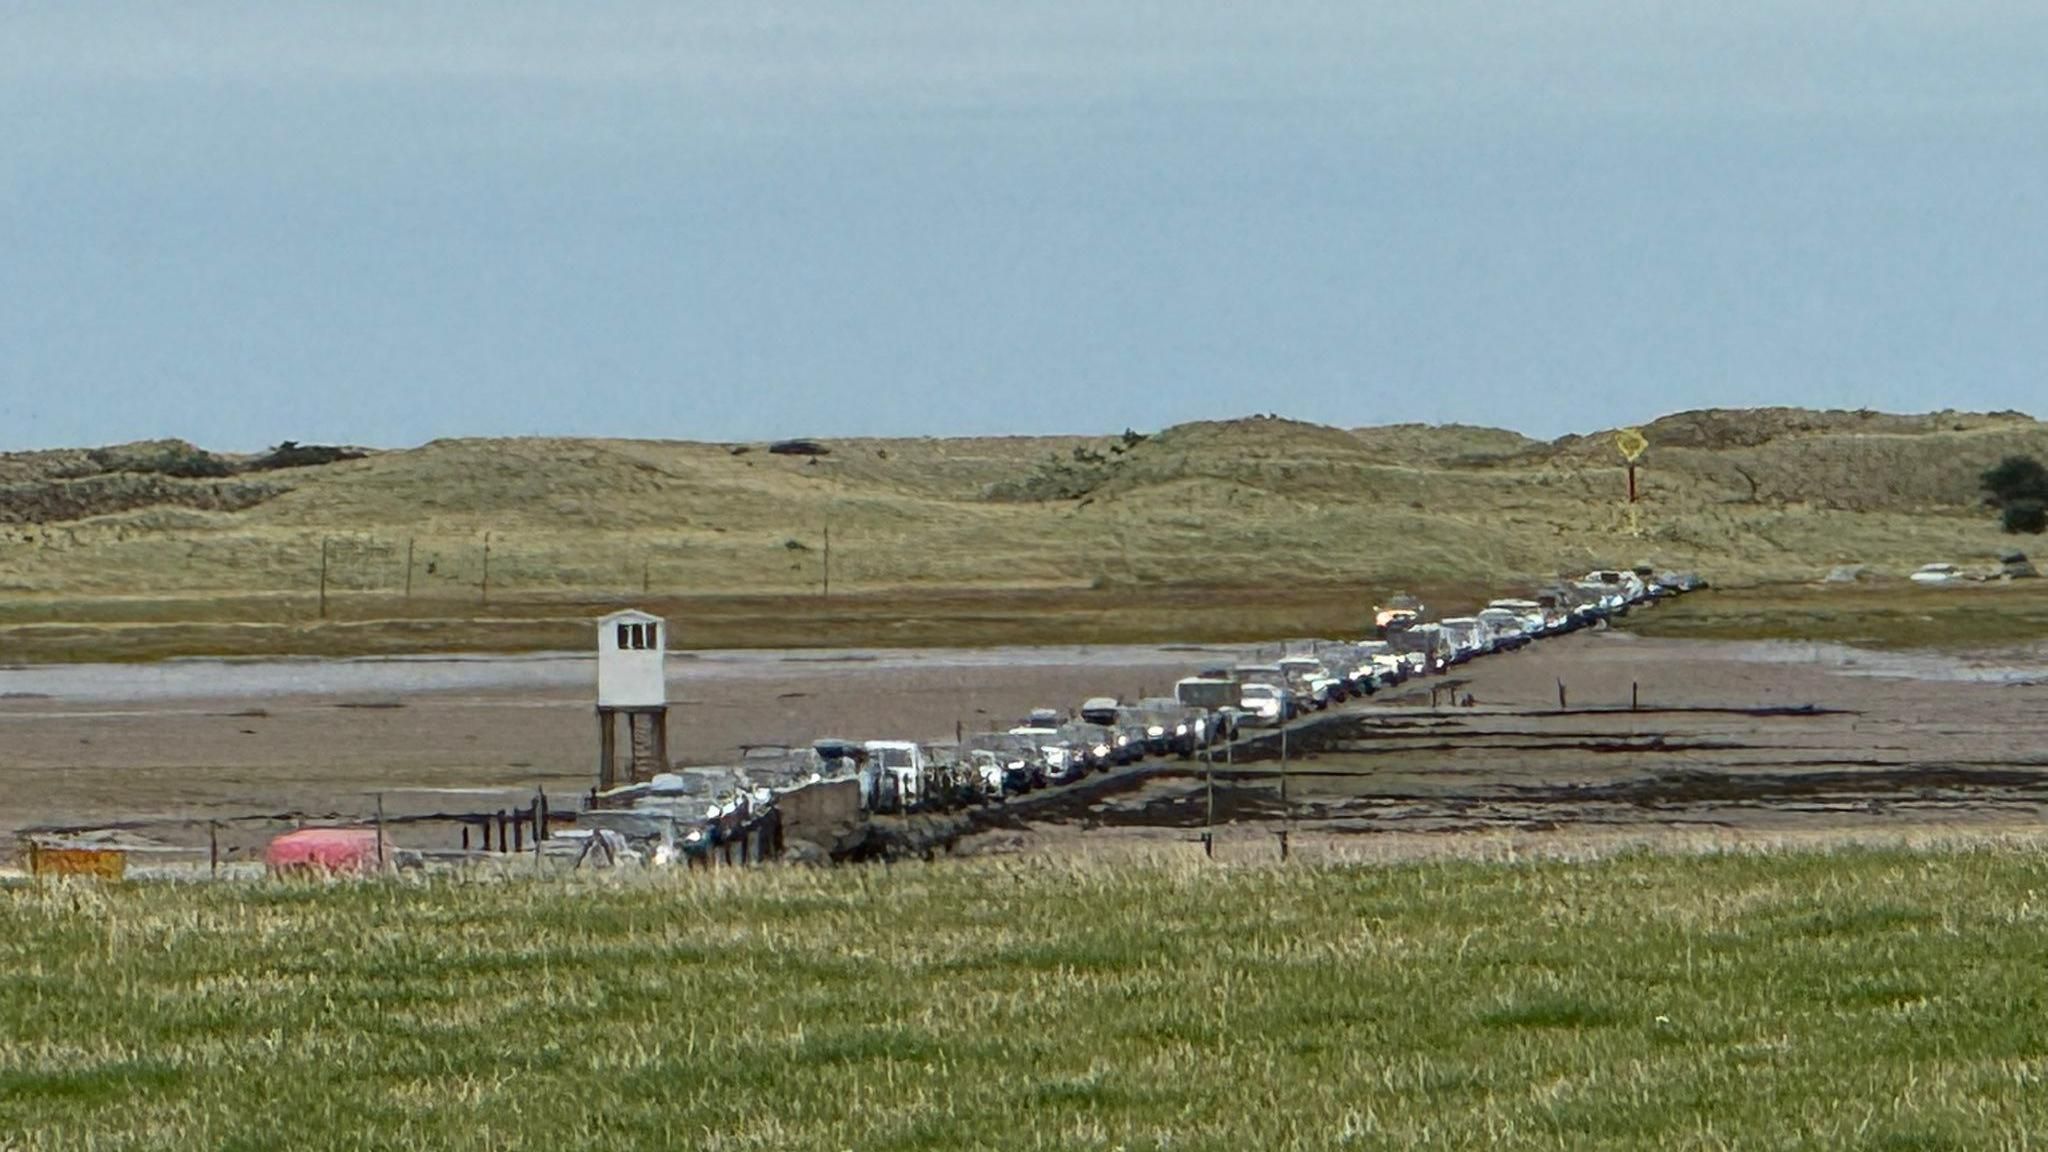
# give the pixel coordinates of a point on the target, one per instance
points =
(2018, 486)
(2026, 516)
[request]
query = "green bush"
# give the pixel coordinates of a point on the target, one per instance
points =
(2026, 515)
(2016, 478)
(2018, 487)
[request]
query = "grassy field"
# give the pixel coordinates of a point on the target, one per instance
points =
(366, 625)
(1857, 999)
(1894, 614)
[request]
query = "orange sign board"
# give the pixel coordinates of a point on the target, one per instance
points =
(103, 863)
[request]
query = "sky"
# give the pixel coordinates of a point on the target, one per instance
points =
(382, 223)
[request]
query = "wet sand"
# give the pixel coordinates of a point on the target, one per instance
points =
(165, 748)
(1718, 740)
(1847, 741)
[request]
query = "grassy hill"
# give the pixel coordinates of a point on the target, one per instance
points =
(1745, 496)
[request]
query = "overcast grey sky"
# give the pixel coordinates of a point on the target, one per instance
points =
(736, 219)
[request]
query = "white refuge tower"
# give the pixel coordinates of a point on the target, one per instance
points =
(632, 662)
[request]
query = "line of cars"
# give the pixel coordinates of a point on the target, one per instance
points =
(1508, 624)
(1050, 747)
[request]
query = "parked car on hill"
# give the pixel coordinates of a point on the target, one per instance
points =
(1936, 574)
(1400, 611)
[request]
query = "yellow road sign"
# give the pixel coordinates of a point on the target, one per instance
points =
(1632, 443)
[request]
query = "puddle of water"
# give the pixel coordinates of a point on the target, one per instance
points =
(402, 675)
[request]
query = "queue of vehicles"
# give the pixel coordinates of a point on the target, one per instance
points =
(1051, 747)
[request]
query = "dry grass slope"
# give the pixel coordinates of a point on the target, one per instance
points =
(1745, 496)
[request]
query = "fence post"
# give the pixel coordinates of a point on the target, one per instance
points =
(323, 577)
(1286, 812)
(1209, 796)
(486, 590)
(408, 567)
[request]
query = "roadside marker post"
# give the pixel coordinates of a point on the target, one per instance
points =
(1632, 444)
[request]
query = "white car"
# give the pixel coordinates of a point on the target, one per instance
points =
(1264, 705)
(1936, 574)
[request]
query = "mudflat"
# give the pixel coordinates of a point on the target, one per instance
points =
(1611, 737)
(1732, 738)
(166, 748)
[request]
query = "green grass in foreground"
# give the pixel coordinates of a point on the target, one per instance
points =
(1863, 999)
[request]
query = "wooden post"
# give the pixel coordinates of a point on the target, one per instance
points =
(213, 848)
(1561, 705)
(827, 590)
(540, 829)
(465, 835)
(1635, 699)
(1209, 797)
(408, 567)
(380, 831)
(659, 721)
(486, 589)
(1286, 812)
(519, 831)
(323, 577)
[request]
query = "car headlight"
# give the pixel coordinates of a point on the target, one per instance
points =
(1180, 730)
(1102, 749)
(1160, 730)
(1122, 741)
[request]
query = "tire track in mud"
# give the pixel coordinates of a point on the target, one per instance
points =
(1365, 772)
